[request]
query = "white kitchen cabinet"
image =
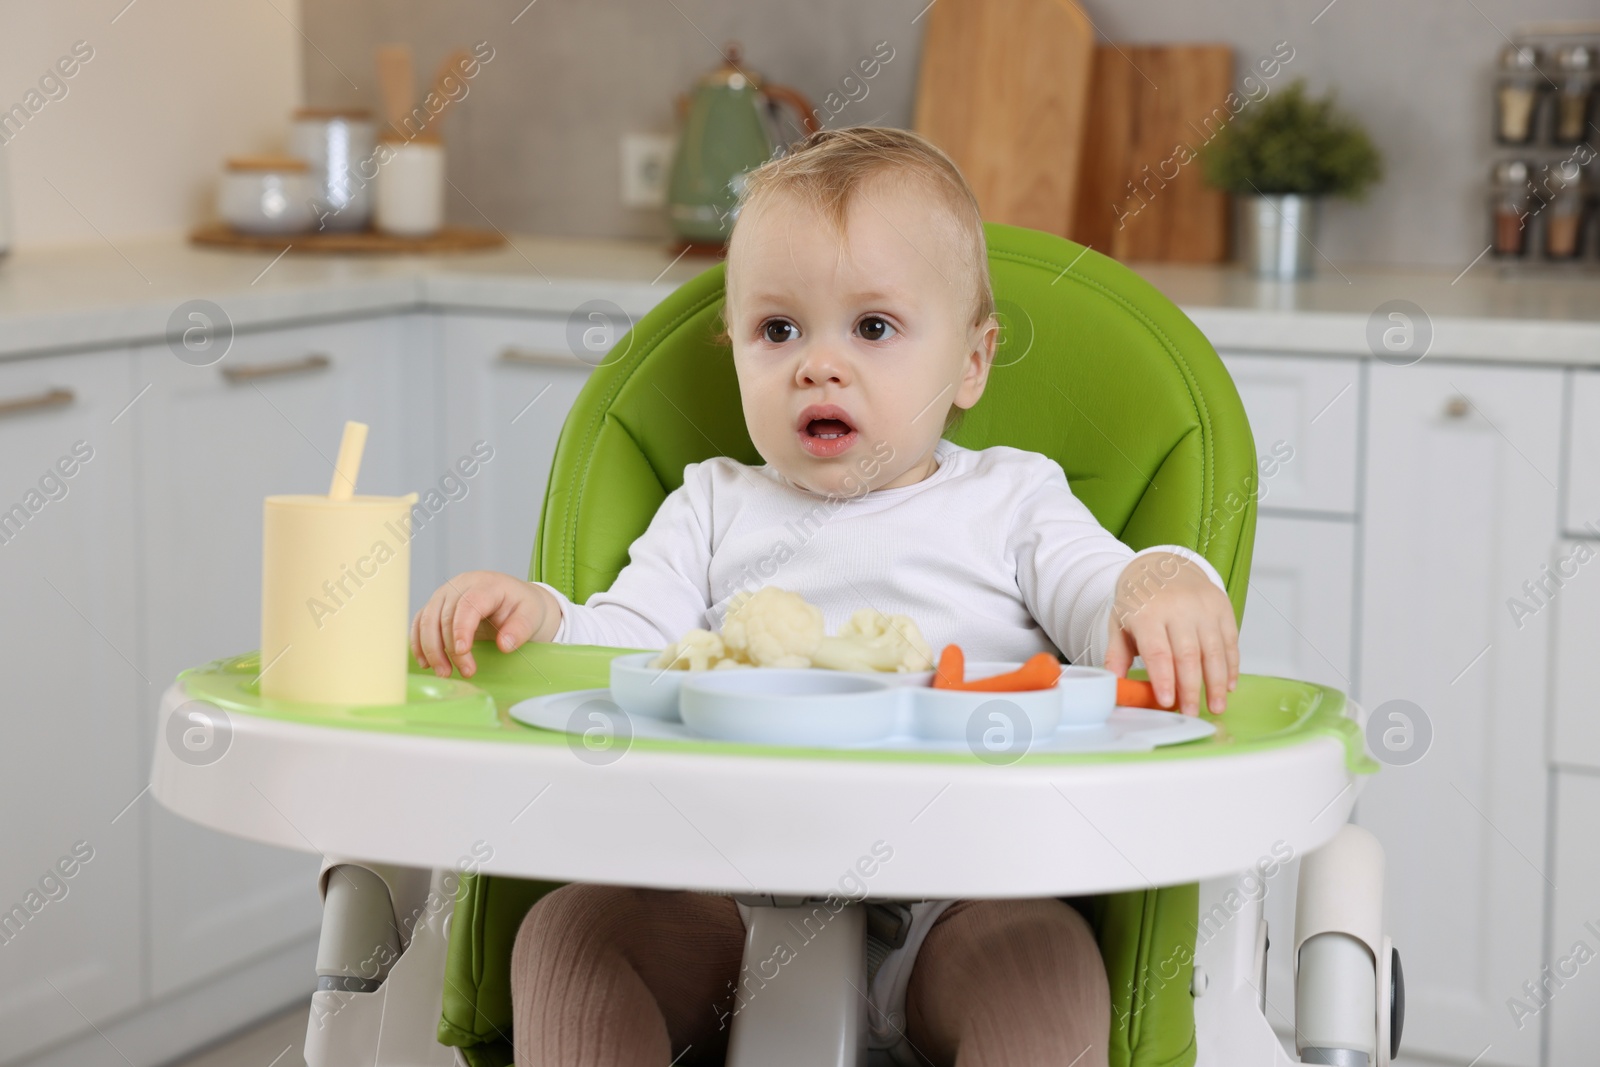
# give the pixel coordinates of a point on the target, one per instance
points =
(416, 359)
(73, 762)
(1571, 589)
(217, 439)
(1460, 510)
(1567, 995)
(508, 385)
(1568, 991)
(1305, 415)
(1297, 621)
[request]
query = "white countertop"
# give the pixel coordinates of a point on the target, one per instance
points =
(89, 296)
(1489, 313)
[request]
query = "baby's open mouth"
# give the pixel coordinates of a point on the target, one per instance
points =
(826, 430)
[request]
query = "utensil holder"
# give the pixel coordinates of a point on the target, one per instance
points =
(410, 193)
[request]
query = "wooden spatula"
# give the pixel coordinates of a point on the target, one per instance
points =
(395, 83)
(450, 68)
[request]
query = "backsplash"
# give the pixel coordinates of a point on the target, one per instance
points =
(535, 146)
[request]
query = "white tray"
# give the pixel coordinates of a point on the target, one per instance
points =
(1128, 729)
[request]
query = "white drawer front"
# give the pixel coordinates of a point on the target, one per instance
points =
(1305, 415)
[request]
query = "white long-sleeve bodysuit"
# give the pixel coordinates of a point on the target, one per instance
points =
(991, 552)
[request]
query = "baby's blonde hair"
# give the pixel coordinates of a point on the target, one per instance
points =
(829, 169)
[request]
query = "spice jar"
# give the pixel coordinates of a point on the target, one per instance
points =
(1574, 92)
(1512, 193)
(1589, 191)
(1518, 90)
(1563, 224)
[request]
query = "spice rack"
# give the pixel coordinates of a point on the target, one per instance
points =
(1545, 125)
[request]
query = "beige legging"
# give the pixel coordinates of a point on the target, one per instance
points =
(606, 976)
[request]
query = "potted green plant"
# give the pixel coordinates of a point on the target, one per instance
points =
(1282, 156)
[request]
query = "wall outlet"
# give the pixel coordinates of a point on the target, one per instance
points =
(646, 166)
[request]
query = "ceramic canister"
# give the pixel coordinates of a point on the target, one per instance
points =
(339, 146)
(266, 194)
(335, 599)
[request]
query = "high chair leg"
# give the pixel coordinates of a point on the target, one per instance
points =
(380, 967)
(801, 999)
(1227, 982)
(1349, 993)
(360, 939)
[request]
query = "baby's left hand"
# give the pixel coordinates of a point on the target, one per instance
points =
(1170, 613)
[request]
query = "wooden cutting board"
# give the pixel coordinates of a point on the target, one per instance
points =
(1141, 193)
(1003, 89)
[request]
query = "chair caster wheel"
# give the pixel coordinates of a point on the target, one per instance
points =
(1397, 1002)
(1349, 989)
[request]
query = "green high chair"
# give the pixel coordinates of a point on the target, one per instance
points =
(1095, 369)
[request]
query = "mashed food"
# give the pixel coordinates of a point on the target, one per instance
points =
(774, 627)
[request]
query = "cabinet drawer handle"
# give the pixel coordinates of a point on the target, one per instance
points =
(529, 357)
(1457, 407)
(250, 372)
(50, 398)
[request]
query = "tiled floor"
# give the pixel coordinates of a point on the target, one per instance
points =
(278, 1042)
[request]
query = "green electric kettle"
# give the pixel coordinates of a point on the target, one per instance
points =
(728, 129)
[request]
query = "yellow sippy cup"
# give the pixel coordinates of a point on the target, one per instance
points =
(335, 591)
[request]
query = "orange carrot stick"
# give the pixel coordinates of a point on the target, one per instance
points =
(1040, 672)
(1133, 693)
(951, 669)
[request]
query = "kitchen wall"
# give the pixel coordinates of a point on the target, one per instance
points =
(535, 144)
(131, 144)
(160, 92)
(536, 147)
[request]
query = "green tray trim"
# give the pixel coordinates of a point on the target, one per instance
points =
(1264, 712)
(234, 685)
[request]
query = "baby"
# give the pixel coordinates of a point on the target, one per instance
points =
(862, 324)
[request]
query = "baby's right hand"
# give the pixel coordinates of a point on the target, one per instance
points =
(480, 605)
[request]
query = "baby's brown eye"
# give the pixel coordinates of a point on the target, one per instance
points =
(873, 328)
(778, 331)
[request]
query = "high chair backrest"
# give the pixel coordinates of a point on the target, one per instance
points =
(1095, 369)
